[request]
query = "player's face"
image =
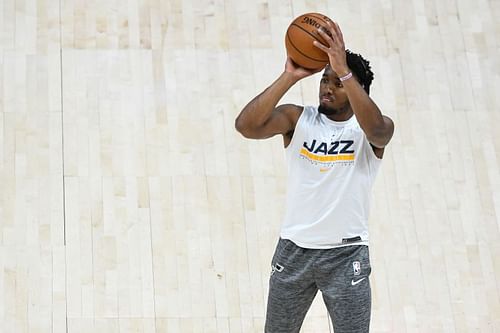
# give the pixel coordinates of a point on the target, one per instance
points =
(332, 97)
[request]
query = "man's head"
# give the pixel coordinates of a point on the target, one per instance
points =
(332, 97)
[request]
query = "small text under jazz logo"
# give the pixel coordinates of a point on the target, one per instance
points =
(334, 148)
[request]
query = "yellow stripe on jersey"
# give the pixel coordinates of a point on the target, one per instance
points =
(326, 158)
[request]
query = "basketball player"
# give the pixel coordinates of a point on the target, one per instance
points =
(333, 152)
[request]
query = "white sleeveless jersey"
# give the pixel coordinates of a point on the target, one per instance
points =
(331, 170)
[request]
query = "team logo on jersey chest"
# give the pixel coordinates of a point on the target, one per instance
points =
(334, 148)
(328, 154)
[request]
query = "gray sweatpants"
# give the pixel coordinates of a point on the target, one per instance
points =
(342, 276)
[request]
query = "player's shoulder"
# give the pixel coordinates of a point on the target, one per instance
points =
(290, 108)
(291, 111)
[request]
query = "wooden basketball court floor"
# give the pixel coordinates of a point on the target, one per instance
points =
(128, 202)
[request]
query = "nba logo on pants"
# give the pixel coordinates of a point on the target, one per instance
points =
(357, 267)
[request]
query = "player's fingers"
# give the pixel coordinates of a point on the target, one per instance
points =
(327, 37)
(338, 32)
(320, 46)
(332, 30)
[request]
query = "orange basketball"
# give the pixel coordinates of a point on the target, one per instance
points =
(299, 40)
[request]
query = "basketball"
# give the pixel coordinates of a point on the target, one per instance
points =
(299, 40)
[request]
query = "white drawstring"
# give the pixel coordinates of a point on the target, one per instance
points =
(328, 318)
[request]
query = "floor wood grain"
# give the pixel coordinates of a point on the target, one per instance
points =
(128, 202)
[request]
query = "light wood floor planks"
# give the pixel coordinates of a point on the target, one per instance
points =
(128, 203)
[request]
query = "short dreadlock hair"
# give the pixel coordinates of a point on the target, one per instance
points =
(360, 67)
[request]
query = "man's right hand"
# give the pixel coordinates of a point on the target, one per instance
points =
(297, 71)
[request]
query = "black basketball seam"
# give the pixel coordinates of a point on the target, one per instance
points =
(305, 55)
(307, 32)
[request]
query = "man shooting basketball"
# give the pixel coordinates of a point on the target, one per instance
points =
(333, 152)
